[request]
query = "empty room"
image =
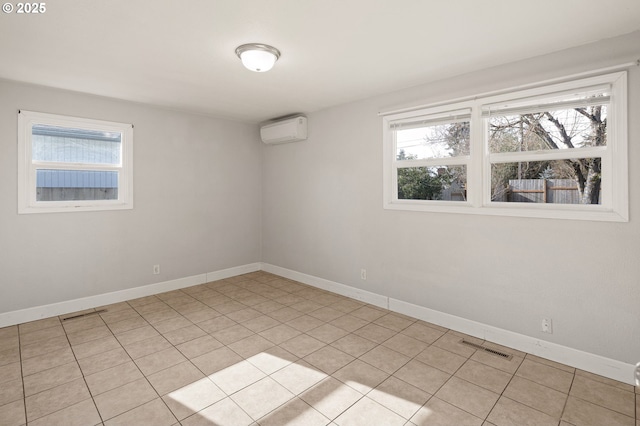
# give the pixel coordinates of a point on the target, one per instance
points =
(320, 212)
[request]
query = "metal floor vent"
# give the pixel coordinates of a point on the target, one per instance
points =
(85, 315)
(488, 350)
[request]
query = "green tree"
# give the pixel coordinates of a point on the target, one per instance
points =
(418, 183)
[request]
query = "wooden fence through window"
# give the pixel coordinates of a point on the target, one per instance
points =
(558, 191)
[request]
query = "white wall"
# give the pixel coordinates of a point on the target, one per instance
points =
(323, 216)
(196, 198)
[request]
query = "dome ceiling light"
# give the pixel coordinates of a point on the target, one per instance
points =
(258, 57)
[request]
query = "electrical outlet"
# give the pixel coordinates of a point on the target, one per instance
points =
(547, 325)
(363, 274)
(156, 269)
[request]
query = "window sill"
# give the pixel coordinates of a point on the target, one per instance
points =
(570, 212)
(74, 208)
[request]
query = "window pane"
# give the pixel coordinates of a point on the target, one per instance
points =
(68, 145)
(446, 183)
(571, 181)
(433, 141)
(547, 130)
(67, 185)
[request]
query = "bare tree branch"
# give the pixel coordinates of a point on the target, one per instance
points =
(566, 139)
(536, 127)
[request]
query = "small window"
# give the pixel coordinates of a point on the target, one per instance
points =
(73, 164)
(555, 151)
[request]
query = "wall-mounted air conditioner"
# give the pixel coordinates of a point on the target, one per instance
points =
(282, 131)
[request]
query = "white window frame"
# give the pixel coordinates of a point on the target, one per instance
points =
(614, 192)
(27, 168)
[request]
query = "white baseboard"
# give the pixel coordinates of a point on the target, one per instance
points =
(75, 305)
(576, 358)
(596, 364)
(592, 363)
(232, 272)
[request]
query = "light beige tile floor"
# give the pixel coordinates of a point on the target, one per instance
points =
(259, 349)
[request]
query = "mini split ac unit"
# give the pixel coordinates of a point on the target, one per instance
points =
(283, 131)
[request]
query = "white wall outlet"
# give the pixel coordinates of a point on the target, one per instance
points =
(363, 274)
(547, 325)
(156, 269)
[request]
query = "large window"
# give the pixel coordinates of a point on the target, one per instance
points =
(555, 151)
(73, 164)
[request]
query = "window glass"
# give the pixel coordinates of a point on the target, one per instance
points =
(446, 183)
(550, 129)
(433, 141)
(68, 145)
(552, 182)
(64, 185)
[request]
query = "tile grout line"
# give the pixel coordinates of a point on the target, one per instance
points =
(82, 372)
(566, 401)
(24, 392)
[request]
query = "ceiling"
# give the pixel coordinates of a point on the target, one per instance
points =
(180, 54)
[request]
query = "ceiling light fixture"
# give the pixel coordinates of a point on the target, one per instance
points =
(258, 57)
